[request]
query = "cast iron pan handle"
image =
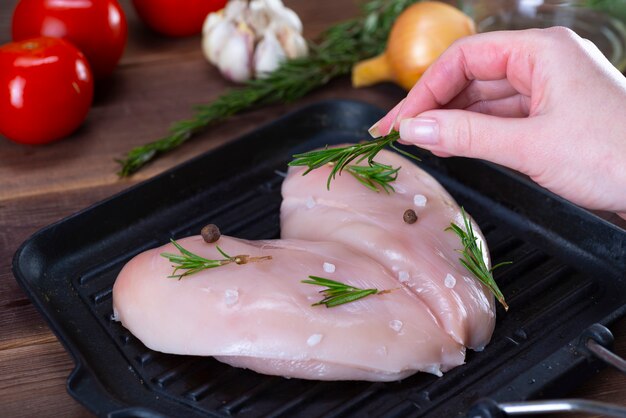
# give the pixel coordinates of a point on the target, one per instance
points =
(488, 408)
(593, 342)
(596, 340)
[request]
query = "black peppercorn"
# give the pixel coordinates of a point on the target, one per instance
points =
(210, 233)
(409, 216)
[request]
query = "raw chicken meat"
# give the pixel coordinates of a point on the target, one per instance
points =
(259, 315)
(421, 255)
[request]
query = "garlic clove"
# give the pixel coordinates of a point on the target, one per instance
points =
(258, 16)
(213, 43)
(268, 55)
(236, 10)
(211, 21)
(292, 42)
(235, 59)
(282, 14)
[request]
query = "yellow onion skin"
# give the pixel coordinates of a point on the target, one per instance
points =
(418, 37)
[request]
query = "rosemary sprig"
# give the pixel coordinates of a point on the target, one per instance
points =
(375, 175)
(337, 293)
(473, 258)
(341, 157)
(191, 263)
(341, 46)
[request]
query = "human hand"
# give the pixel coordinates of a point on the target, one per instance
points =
(544, 102)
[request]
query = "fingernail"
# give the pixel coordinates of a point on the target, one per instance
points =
(398, 113)
(419, 130)
(373, 130)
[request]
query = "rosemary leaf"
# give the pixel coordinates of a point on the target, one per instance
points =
(337, 293)
(375, 175)
(337, 300)
(340, 47)
(190, 263)
(472, 258)
(341, 157)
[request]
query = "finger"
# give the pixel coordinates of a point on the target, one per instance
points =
(470, 134)
(486, 56)
(383, 126)
(517, 106)
(479, 90)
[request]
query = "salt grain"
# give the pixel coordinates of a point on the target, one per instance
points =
(449, 281)
(329, 267)
(231, 297)
(403, 276)
(114, 316)
(434, 369)
(314, 339)
(396, 325)
(420, 200)
(310, 202)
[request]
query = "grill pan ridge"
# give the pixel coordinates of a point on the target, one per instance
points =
(568, 273)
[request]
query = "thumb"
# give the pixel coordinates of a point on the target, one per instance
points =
(464, 133)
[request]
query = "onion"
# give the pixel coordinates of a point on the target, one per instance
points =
(418, 36)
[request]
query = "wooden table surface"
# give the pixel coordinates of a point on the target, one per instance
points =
(156, 83)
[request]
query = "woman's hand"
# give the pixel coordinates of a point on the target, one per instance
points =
(544, 102)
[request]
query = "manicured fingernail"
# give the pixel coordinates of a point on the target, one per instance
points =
(374, 131)
(398, 113)
(419, 131)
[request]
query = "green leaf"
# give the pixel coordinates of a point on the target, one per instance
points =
(473, 260)
(337, 293)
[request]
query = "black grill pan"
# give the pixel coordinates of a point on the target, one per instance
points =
(568, 273)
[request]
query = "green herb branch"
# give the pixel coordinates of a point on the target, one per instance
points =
(341, 157)
(337, 293)
(190, 263)
(375, 176)
(341, 46)
(473, 258)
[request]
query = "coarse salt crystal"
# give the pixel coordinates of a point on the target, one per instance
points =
(231, 297)
(310, 202)
(314, 339)
(419, 200)
(434, 369)
(403, 276)
(396, 325)
(449, 281)
(329, 267)
(114, 316)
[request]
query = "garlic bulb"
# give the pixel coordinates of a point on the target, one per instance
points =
(249, 39)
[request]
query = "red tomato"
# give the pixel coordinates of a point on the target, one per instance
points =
(96, 27)
(46, 88)
(176, 17)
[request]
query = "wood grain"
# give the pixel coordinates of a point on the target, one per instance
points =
(157, 82)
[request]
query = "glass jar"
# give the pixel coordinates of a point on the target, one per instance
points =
(600, 21)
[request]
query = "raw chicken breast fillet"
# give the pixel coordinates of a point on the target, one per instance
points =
(259, 315)
(421, 255)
